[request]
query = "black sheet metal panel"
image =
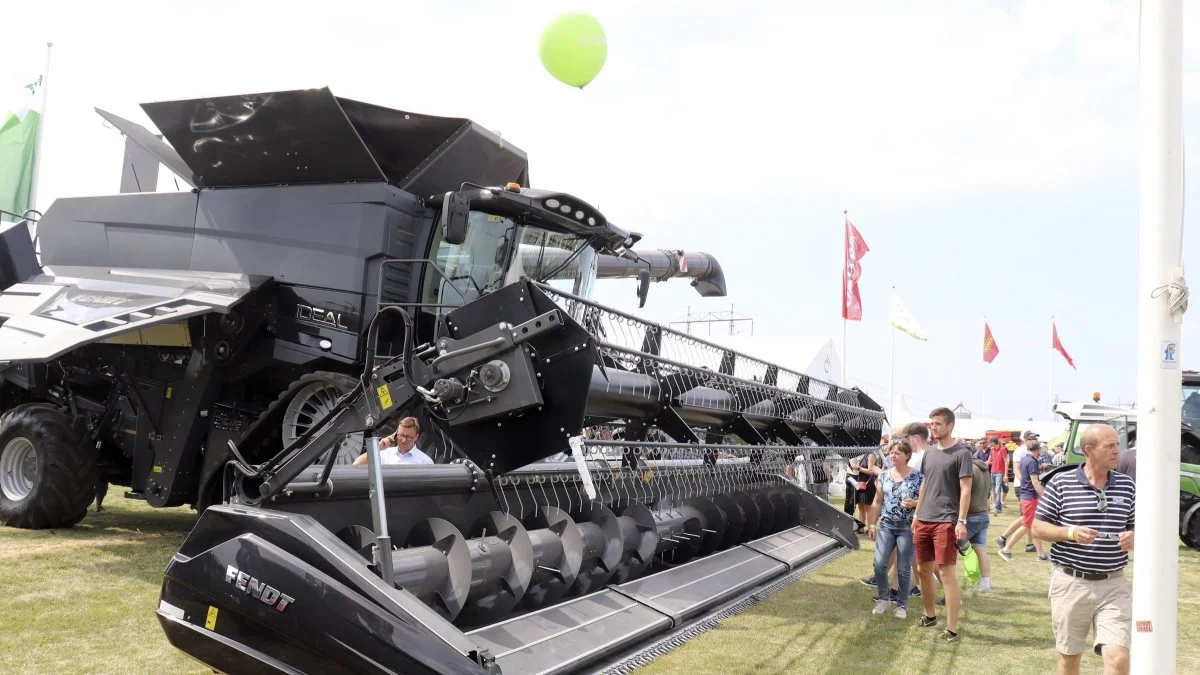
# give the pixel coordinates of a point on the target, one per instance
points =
(427, 155)
(793, 547)
(150, 230)
(270, 138)
(568, 636)
(152, 144)
(688, 590)
(820, 515)
(310, 136)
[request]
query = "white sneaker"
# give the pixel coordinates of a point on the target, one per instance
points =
(881, 606)
(901, 613)
(982, 588)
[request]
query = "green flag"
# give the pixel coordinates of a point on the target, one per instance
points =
(18, 143)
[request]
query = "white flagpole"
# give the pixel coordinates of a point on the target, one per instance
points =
(1050, 405)
(844, 322)
(37, 141)
(892, 367)
(845, 290)
(1160, 217)
(983, 405)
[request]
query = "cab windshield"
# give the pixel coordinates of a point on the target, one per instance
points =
(498, 251)
(1190, 402)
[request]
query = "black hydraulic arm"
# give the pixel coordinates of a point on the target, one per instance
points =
(383, 392)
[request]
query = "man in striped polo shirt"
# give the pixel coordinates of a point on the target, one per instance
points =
(1088, 515)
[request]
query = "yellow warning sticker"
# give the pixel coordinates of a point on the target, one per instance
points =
(157, 468)
(385, 396)
(210, 622)
(170, 391)
(494, 219)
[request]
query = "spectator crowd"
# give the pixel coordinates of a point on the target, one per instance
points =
(927, 499)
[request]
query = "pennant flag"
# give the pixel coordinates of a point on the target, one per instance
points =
(855, 249)
(19, 124)
(1057, 345)
(990, 350)
(904, 321)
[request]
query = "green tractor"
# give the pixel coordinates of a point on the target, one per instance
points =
(1124, 420)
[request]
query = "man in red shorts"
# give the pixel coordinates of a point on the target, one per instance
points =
(941, 519)
(1028, 492)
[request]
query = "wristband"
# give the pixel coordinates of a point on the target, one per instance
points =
(1071, 533)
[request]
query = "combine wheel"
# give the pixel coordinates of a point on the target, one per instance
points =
(48, 472)
(316, 394)
(1191, 537)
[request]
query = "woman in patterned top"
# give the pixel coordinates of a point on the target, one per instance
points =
(895, 502)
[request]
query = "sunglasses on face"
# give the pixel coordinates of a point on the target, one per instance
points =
(1101, 501)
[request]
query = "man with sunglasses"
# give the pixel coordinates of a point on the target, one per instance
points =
(1088, 515)
(400, 447)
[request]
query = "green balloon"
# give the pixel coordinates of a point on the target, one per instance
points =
(573, 48)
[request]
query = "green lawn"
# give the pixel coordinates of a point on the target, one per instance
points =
(823, 624)
(82, 601)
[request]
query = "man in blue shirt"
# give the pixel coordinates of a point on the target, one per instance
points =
(1028, 492)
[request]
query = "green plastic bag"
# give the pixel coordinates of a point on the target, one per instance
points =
(971, 566)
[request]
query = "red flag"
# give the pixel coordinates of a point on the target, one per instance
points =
(990, 350)
(855, 249)
(1058, 345)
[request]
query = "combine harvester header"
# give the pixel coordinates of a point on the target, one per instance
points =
(604, 487)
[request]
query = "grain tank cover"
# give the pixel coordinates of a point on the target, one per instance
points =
(311, 136)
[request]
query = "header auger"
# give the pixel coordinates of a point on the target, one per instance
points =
(601, 485)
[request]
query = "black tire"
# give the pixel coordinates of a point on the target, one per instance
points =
(334, 386)
(1191, 536)
(66, 472)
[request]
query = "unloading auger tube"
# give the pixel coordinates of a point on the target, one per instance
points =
(508, 558)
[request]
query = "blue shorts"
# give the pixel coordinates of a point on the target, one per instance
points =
(977, 527)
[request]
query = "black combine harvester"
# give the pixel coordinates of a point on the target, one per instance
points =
(603, 487)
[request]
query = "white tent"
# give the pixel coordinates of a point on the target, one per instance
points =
(976, 427)
(814, 356)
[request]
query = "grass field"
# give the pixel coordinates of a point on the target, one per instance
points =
(82, 601)
(823, 624)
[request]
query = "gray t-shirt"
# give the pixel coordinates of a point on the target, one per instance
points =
(941, 470)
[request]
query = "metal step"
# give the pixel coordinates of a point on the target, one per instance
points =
(566, 636)
(573, 634)
(690, 589)
(793, 547)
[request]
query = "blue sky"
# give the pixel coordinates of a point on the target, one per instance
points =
(987, 152)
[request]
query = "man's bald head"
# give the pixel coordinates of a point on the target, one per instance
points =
(1094, 434)
(1101, 446)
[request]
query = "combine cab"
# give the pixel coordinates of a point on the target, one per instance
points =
(602, 486)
